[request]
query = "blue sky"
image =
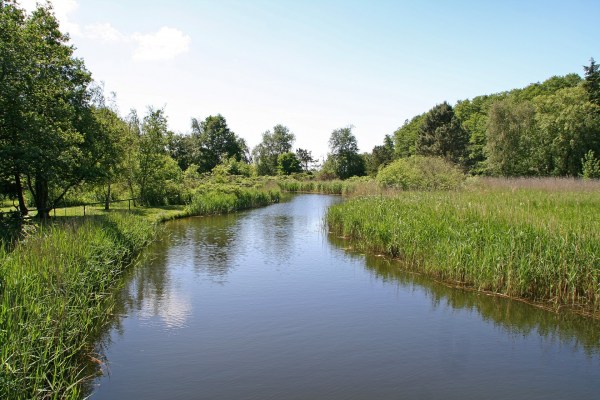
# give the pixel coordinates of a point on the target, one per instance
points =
(315, 66)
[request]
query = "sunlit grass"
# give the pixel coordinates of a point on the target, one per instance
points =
(538, 244)
(54, 296)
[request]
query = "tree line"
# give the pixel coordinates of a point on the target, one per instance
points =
(545, 129)
(59, 131)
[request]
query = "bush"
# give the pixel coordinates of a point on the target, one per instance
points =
(421, 173)
(591, 166)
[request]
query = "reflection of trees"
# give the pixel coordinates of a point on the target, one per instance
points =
(513, 316)
(276, 234)
(213, 241)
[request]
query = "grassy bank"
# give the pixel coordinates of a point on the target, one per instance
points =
(56, 290)
(347, 187)
(536, 244)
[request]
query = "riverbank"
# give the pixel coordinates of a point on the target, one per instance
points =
(530, 243)
(56, 289)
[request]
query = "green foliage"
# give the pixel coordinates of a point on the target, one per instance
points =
(46, 124)
(344, 160)
(510, 138)
(440, 135)
(227, 199)
(306, 158)
(53, 301)
(288, 163)
(266, 154)
(421, 173)
(473, 117)
(183, 149)
(232, 166)
(592, 82)
(538, 245)
(569, 127)
(214, 143)
(380, 156)
(158, 175)
(405, 137)
(591, 166)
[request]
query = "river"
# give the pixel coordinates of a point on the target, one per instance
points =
(265, 304)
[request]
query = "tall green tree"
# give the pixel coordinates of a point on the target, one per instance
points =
(266, 153)
(344, 157)
(380, 156)
(405, 137)
(441, 135)
(288, 163)
(592, 82)
(569, 126)
(113, 162)
(158, 173)
(305, 157)
(16, 69)
(215, 142)
(49, 131)
(182, 148)
(510, 138)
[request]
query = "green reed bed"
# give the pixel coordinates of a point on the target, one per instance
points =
(226, 200)
(323, 187)
(533, 244)
(53, 299)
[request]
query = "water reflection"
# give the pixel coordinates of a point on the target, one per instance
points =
(514, 317)
(264, 304)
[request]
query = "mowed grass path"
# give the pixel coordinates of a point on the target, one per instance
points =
(536, 244)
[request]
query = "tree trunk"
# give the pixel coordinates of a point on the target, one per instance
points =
(22, 207)
(107, 202)
(41, 197)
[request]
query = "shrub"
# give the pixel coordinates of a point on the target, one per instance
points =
(421, 173)
(591, 166)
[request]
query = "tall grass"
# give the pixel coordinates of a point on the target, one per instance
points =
(54, 296)
(224, 200)
(534, 244)
(346, 187)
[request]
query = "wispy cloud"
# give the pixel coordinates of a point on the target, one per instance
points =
(104, 32)
(165, 44)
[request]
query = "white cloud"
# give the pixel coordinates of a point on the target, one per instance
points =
(165, 44)
(104, 32)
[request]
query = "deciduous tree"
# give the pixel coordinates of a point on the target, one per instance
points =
(344, 157)
(441, 135)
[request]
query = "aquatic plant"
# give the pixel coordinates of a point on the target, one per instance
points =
(539, 245)
(55, 296)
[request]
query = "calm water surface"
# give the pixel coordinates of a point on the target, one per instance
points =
(265, 305)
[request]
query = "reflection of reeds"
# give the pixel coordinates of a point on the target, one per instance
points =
(541, 245)
(514, 317)
(53, 301)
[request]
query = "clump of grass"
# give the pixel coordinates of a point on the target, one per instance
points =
(54, 298)
(534, 244)
(228, 199)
